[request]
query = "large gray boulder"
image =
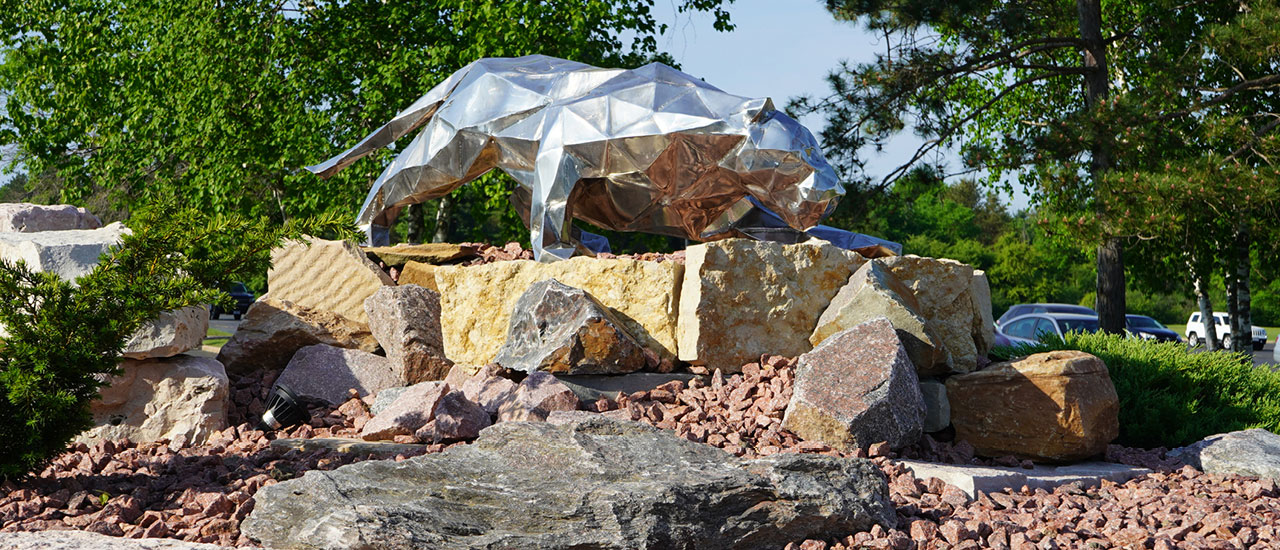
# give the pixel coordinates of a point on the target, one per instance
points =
(67, 254)
(1253, 452)
(600, 484)
(24, 217)
(325, 373)
(405, 320)
(560, 329)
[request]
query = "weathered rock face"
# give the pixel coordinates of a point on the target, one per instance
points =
(857, 388)
(172, 333)
(476, 301)
(952, 301)
(743, 298)
(489, 391)
(427, 253)
(455, 417)
(178, 397)
(411, 410)
(563, 330)
(24, 217)
(273, 330)
(874, 292)
(325, 373)
(85, 540)
(418, 273)
(537, 396)
(1253, 452)
(937, 410)
(1055, 406)
(598, 484)
(333, 276)
(68, 254)
(405, 319)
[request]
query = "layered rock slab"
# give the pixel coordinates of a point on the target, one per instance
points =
(564, 330)
(427, 253)
(743, 298)
(1056, 406)
(405, 320)
(1254, 452)
(954, 300)
(598, 483)
(172, 333)
(273, 330)
(334, 276)
(857, 388)
(324, 373)
(181, 397)
(68, 254)
(476, 301)
(993, 479)
(24, 217)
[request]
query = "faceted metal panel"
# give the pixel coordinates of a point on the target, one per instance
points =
(650, 149)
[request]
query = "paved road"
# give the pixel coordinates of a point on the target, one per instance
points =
(1266, 356)
(225, 324)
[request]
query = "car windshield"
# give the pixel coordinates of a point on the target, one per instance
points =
(1078, 325)
(1144, 322)
(239, 287)
(1069, 309)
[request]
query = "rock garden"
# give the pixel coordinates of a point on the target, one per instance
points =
(738, 394)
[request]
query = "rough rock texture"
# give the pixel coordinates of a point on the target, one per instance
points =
(326, 373)
(595, 484)
(1055, 406)
(180, 397)
(333, 276)
(411, 410)
(476, 301)
(455, 418)
(405, 320)
(857, 388)
(953, 303)
(488, 390)
(346, 445)
(418, 273)
(428, 253)
(743, 298)
(937, 409)
(535, 398)
(68, 254)
(172, 333)
(592, 387)
(272, 330)
(1253, 452)
(24, 217)
(994, 479)
(984, 332)
(873, 292)
(385, 398)
(564, 330)
(84, 540)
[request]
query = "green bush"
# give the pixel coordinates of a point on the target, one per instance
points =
(64, 339)
(1170, 396)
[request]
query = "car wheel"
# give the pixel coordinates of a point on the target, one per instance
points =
(1226, 341)
(1193, 340)
(236, 316)
(1257, 346)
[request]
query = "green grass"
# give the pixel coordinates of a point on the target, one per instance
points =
(1170, 396)
(216, 338)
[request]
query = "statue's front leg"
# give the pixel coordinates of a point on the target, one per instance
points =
(550, 214)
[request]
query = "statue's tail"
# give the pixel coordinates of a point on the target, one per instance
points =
(406, 121)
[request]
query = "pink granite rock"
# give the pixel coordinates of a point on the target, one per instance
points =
(406, 321)
(455, 418)
(536, 397)
(409, 412)
(488, 390)
(325, 373)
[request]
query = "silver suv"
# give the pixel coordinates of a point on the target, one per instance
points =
(1195, 331)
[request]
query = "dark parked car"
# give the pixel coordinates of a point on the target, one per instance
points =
(243, 297)
(1028, 329)
(1147, 328)
(1023, 309)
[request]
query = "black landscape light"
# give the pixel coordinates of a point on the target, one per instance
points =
(283, 410)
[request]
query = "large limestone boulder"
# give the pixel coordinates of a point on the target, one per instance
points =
(952, 301)
(405, 320)
(68, 254)
(857, 388)
(599, 483)
(325, 373)
(1253, 452)
(273, 330)
(334, 276)
(427, 253)
(476, 301)
(1056, 406)
(874, 292)
(172, 333)
(563, 330)
(24, 217)
(177, 398)
(743, 298)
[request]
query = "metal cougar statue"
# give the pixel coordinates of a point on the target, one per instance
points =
(650, 149)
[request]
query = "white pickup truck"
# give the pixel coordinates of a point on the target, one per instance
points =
(1195, 332)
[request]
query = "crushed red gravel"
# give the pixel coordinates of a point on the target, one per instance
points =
(201, 493)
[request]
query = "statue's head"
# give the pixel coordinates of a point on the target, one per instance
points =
(785, 170)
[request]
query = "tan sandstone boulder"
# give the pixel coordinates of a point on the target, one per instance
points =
(181, 397)
(169, 334)
(272, 330)
(476, 301)
(875, 292)
(428, 253)
(1055, 406)
(325, 275)
(952, 301)
(418, 273)
(742, 298)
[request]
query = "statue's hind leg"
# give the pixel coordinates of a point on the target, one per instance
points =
(550, 215)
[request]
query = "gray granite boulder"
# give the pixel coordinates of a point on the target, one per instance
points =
(405, 320)
(560, 329)
(600, 484)
(1253, 452)
(24, 217)
(325, 373)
